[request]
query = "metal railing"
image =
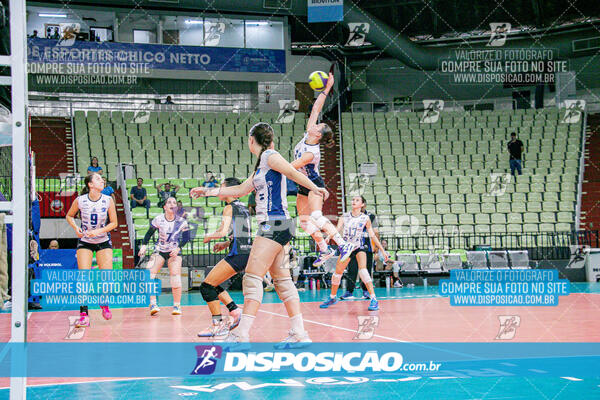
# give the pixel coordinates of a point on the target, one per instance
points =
(580, 174)
(449, 105)
(64, 104)
(541, 245)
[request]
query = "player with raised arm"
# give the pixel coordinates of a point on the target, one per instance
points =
(307, 156)
(274, 232)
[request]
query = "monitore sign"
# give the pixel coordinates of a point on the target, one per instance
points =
(325, 10)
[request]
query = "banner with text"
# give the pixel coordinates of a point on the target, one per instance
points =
(79, 57)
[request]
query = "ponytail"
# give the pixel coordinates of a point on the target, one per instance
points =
(86, 182)
(327, 136)
(263, 134)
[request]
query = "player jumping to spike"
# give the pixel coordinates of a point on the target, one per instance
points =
(307, 156)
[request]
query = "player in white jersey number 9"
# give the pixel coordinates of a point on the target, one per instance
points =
(98, 217)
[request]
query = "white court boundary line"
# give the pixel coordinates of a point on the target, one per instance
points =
(335, 326)
(94, 381)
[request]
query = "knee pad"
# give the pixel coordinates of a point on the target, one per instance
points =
(252, 286)
(319, 218)
(208, 292)
(308, 227)
(219, 289)
(363, 273)
(396, 267)
(336, 279)
(175, 281)
(286, 290)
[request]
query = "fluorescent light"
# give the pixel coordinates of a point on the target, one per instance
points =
(193, 21)
(52, 15)
(257, 23)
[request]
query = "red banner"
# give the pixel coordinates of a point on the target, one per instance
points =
(55, 204)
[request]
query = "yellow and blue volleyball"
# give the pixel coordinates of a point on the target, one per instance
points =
(318, 80)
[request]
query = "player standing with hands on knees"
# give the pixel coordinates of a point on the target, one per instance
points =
(274, 232)
(98, 218)
(173, 234)
(307, 156)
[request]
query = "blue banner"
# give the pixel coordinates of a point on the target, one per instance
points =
(325, 10)
(59, 258)
(82, 57)
(317, 359)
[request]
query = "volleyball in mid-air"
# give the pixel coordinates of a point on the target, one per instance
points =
(318, 80)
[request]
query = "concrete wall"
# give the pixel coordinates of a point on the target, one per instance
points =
(382, 80)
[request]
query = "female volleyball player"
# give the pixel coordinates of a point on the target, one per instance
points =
(173, 234)
(274, 232)
(94, 236)
(353, 223)
(235, 223)
(307, 156)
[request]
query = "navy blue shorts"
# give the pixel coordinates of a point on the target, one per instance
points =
(317, 181)
(167, 254)
(279, 230)
(94, 246)
(238, 261)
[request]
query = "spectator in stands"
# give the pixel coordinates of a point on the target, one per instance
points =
(53, 245)
(34, 35)
(210, 181)
(166, 193)
(515, 149)
(169, 100)
(138, 196)
(252, 203)
(94, 167)
(181, 210)
(108, 190)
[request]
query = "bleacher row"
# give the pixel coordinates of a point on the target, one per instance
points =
(180, 148)
(452, 173)
(424, 262)
(176, 144)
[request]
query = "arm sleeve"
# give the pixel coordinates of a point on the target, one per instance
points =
(149, 235)
(185, 238)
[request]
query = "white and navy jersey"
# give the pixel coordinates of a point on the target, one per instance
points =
(94, 215)
(354, 227)
(240, 231)
(169, 232)
(271, 191)
(367, 245)
(311, 170)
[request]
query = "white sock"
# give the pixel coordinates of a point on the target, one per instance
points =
(339, 239)
(322, 246)
(153, 301)
(297, 323)
(176, 304)
(373, 297)
(245, 324)
(332, 296)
